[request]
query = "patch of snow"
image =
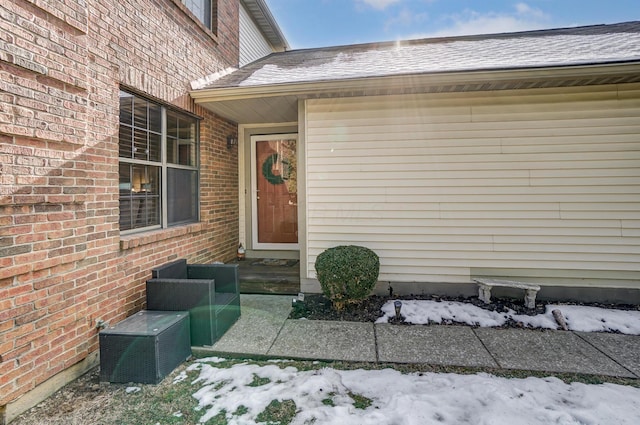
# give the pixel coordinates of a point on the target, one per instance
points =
(422, 312)
(416, 398)
(181, 377)
(212, 360)
(596, 319)
(578, 318)
(132, 390)
(453, 55)
(211, 78)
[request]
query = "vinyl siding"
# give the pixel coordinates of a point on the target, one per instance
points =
(253, 45)
(443, 187)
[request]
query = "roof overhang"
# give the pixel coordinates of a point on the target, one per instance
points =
(279, 102)
(267, 24)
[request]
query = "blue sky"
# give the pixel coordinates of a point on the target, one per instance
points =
(318, 23)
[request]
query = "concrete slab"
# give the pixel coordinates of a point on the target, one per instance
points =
(549, 351)
(437, 345)
(261, 318)
(326, 340)
(277, 306)
(624, 349)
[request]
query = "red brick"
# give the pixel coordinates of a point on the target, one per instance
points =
(45, 283)
(23, 294)
(15, 270)
(30, 238)
(5, 347)
(46, 227)
(30, 337)
(30, 317)
(16, 352)
(16, 230)
(29, 258)
(29, 379)
(5, 326)
(64, 210)
(41, 347)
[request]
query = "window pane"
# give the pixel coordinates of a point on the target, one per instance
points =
(182, 193)
(151, 211)
(145, 195)
(155, 117)
(125, 142)
(185, 153)
(126, 108)
(172, 124)
(125, 196)
(125, 180)
(140, 113)
(182, 151)
(155, 143)
(200, 8)
(172, 150)
(139, 196)
(172, 137)
(187, 143)
(140, 144)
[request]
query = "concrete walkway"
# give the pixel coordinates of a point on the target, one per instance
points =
(264, 331)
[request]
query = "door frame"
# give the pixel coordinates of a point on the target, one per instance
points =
(254, 194)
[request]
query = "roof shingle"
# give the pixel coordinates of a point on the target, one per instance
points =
(599, 44)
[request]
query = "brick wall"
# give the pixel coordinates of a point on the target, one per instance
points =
(63, 262)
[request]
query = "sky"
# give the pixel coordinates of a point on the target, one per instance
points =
(322, 23)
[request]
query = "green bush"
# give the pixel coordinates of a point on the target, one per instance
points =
(347, 273)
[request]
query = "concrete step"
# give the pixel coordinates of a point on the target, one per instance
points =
(265, 276)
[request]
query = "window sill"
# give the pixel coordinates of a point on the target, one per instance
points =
(146, 238)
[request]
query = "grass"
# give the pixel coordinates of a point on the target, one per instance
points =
(329, 400)
(258, 381)
(504, 373)
(165, 400)
(166, 403)
(360, 402)
(278, 413)
(86, 401)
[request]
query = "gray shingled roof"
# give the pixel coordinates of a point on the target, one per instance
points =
(599, 44)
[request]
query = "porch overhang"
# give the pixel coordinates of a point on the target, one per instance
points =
(279, 102)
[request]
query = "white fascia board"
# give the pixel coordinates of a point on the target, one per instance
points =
(402, 81)
(267, 23)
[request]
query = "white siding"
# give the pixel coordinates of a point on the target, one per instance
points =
(253, 45)
(445, 186)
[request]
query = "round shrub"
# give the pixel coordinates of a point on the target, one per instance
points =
(347, 273)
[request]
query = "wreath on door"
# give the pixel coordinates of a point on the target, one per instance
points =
(267, 169)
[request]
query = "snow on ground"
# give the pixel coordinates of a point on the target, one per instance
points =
(326, 396)
(578, 318)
